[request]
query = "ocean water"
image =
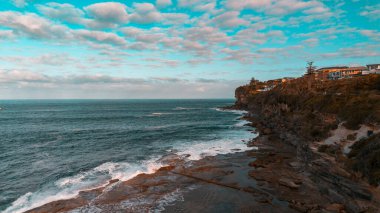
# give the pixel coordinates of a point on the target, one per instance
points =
(52, 149)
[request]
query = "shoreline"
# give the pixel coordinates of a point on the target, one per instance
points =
(271, 178)
(162, 163)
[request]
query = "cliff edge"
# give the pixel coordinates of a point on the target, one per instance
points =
(332, 125)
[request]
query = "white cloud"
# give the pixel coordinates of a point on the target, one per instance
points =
(373, 34)
(372, 12)
(209, 35)
(311, 42)
(163, 3)
(6, 34)
(243, 55)
(145, 13)
(62, 12)
(230, 20)
(216, 26)
(247, 4)
(32, 26)
(20, 3)
(100, 36)
(27, 84)
(251, 37)
(175, 18)
(279, 7)
(15, 76)
(198, 5)
(362, 50)
(51, 59)
(36, 27)
(108, 12)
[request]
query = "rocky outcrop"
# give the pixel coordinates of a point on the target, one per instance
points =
(301, 114)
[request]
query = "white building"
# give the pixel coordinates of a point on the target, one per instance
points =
(372, 69)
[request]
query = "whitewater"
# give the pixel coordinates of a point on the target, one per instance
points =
(55, 149)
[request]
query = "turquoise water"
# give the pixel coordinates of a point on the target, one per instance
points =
(51, 149)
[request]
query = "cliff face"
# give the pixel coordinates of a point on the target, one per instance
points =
(354, 101)
(304, 111)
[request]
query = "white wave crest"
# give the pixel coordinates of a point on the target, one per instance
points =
(242, 123)
(184, 108)
(69, 187)
(200, 150)
(235, 111)
(158, 114)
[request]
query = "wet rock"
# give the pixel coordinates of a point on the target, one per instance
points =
(256, 176)
(170, 159)
(335, 207)
(267, 131)
(288, 183)
(342, 172)
(251, 143)
(113, 181)
(263, 200)
(166, 168)
(256, 164)
(295, 165)
(252, 153)
(351, 137)
(298, 206)
(59, 206)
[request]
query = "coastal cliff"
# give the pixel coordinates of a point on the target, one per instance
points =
(333, 128)
(317, 151)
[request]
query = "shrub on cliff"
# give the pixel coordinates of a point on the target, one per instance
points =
(365, 158)
(355, 101)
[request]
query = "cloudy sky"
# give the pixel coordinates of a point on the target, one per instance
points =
(175, 48)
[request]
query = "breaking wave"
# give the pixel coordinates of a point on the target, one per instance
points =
(68, 187)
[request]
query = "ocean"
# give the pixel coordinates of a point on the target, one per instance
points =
(52, 149)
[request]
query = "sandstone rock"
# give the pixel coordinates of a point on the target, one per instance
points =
(256, 164)
(263, 200)
(256, 176)
(166, 168)
(113, 181)
(335, 207)
(267, 131)
(298, 206)
(288, 183)
(342, 172)
(251, 143)
(351, 137)
(295, 165)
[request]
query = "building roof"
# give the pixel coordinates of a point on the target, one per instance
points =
(330, 68)
(373, 64)
(355, 68)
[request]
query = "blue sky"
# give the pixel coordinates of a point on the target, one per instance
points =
(175, 48)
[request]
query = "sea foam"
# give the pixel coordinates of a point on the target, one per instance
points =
(69, 187)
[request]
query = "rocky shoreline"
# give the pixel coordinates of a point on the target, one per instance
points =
(270, 179)
(300, 164)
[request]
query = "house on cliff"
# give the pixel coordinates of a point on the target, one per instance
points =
(334, 73)
(372, 69)
(348, 72)
(328, 73)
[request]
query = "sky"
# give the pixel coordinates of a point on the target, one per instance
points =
(175, 48)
